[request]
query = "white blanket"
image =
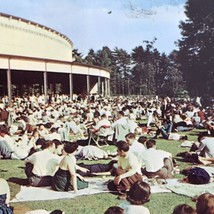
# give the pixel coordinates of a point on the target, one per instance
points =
(96, 185)
(190, 190)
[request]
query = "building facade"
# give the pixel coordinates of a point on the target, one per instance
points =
(38, 59)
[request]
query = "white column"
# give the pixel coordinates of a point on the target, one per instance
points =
(88, 85)
(9, 88)
(106, 87)
(45, 82)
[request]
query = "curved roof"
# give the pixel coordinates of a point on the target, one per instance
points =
(36, 24)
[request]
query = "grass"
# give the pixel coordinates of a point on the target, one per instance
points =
(161, 203)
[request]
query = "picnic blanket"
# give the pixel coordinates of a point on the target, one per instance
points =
(99, 185)
(96, 185)
(189, 190)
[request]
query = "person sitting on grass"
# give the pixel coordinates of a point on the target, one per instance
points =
(202, 153)
(6, 149)
(206, 147)
(138, 195)
(66, 178)
(4, 197)
(158, 163)
(165, 129)
(136, 147)
(41, 166)
(127, 172)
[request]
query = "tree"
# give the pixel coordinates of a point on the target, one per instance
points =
(196, 53)
(77, 56)
(146, 68)
(91, 57)
(122, 70)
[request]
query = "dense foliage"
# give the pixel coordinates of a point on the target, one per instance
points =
(144, 71)
(196, 53)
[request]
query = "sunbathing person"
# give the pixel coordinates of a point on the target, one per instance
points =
(164, 128)
(206, 161)
(66, 178)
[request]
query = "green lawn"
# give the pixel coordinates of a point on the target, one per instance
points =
(162, 203)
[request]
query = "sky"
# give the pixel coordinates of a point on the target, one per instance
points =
(92, 24)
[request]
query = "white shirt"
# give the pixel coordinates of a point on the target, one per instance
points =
(154, 159)
(103, 122)
(72, 126)
(9, 141)
(91, 152)
(53, 136)
(132, 125)
(130, 164)
(44, 162)
(134, 209)
(208, 144)
(138, 149)
(121, 121)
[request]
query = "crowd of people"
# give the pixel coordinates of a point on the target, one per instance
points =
(46, 134)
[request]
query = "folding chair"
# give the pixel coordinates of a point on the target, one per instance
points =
(101, 136)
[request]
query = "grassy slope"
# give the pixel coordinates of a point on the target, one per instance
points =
(162, 203)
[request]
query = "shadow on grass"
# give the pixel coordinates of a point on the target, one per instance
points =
(82, 142)
(20, 181)
(85, 142)
(2, 170)
(197, 133)
(186, 160)
(21, 167)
